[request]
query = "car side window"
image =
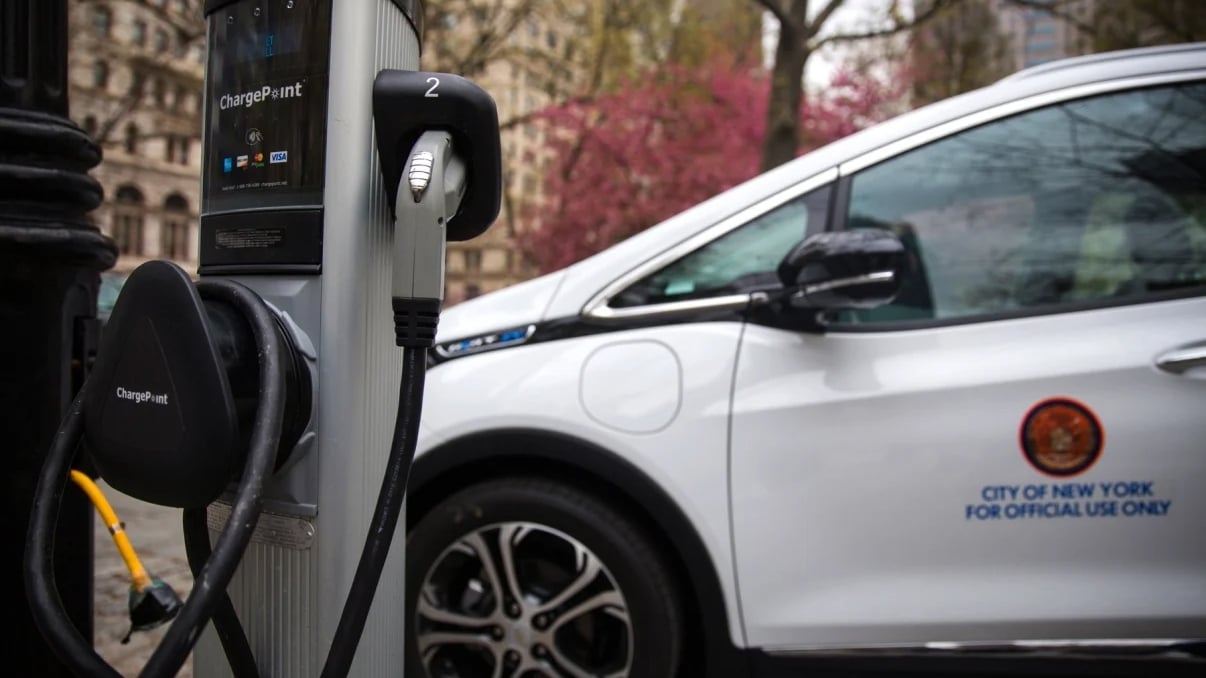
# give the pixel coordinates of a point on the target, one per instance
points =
(742, 260)
(1088, 201)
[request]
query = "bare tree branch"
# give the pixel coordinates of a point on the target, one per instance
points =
(897, 27)
(778, 10)
(823, 16)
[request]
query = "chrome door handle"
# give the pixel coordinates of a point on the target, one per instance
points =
(1181, 360)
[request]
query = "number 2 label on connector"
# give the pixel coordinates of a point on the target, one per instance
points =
(431, 93)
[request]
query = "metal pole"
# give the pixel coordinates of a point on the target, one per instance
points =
(51, 256)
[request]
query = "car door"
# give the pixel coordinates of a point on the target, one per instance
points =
(1013, 448)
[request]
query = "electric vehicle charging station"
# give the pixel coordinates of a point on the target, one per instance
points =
(261, 398)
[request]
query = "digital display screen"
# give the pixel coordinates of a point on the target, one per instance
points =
(266, 84)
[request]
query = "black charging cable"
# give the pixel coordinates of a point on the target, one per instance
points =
(209, 586)
(225, 620)
(436, 179)
(415, 322)
(385, 516)
(43, 593)
(429, 195)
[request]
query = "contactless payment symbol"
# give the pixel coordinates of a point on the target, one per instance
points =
(1061, 437)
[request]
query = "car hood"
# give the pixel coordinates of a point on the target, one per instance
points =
(521, 304)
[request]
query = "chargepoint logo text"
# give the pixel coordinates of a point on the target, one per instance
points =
(140, 397)
(255, 96)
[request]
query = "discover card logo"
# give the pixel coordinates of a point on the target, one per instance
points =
(140, 397)
(255, 96)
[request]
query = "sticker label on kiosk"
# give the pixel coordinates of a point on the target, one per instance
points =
(266, 85)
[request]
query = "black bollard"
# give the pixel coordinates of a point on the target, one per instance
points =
(51, 256)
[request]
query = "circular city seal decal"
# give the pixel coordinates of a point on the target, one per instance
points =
(1061, 437)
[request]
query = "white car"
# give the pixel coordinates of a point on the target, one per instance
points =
(934, 391)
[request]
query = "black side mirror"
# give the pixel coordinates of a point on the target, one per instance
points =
(860, 268)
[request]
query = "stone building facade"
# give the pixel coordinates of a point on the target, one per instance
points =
(495, 260)
(135, 75)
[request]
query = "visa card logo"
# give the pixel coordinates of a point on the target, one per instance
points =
(227, 164)
(278, 157)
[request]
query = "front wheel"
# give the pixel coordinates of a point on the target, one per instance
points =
(532, 578)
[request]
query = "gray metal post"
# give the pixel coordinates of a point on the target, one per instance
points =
(293, 580)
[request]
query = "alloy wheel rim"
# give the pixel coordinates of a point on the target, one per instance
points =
(521, 600)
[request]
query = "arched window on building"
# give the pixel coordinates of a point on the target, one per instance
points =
(159, 91)
(102, 21)
(131, 138)
(100, 75)
(138, 82)
(129, 214)
(174, 234)
(138, 34)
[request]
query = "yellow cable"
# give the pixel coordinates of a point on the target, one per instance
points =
(137, 572)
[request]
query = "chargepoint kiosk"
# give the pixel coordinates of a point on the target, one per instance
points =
(293, 206)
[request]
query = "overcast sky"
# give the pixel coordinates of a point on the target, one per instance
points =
(853, 16)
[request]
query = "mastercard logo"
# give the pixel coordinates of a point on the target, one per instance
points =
(1061, 437)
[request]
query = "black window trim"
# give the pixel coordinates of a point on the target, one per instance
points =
(597, 308)
(850, 169)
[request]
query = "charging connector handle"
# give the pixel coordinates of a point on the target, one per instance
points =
(429, 195)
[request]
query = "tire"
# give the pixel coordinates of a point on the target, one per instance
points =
(595, 596)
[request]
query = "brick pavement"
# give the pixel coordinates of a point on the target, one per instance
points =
(155, 534)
